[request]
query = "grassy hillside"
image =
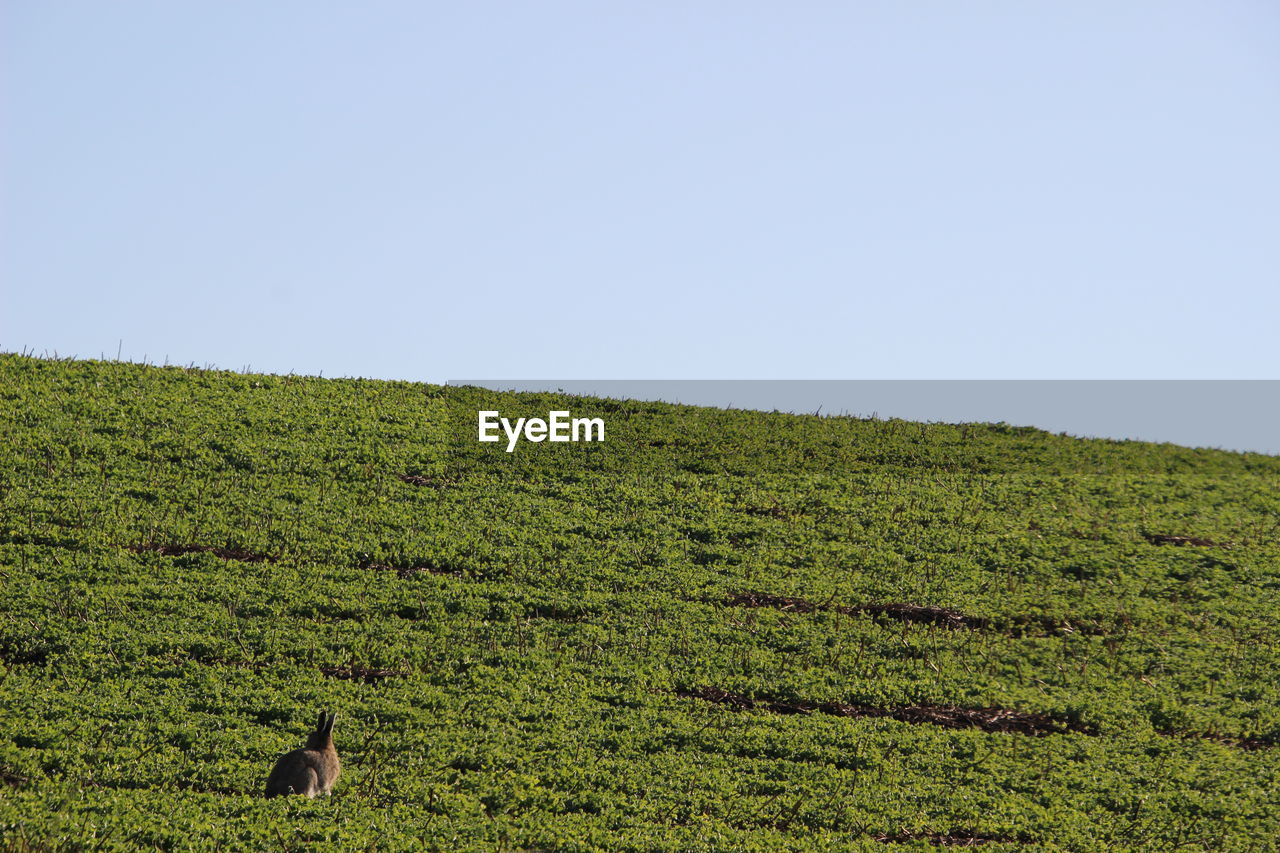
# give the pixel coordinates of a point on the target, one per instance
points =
(718, 630)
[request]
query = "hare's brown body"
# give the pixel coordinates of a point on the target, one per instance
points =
(311, 770)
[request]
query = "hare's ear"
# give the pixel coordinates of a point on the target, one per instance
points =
(328, 728)
(320, 723)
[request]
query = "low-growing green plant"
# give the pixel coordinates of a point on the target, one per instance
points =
(553, 648)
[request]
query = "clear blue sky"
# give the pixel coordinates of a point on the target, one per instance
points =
(646, 190)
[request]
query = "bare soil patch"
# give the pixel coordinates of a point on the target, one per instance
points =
(240, 554)
(1165, 539)
(947, 716)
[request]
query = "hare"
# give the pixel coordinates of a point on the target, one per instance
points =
(311, 770)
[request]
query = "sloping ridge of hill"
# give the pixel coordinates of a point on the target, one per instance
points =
(718, 630)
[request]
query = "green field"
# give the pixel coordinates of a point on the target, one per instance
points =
(690, 637)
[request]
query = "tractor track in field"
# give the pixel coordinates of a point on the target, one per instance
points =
(998, 720)
(921, 614)
(947, 716)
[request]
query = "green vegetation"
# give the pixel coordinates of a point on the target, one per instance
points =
(506, 637)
